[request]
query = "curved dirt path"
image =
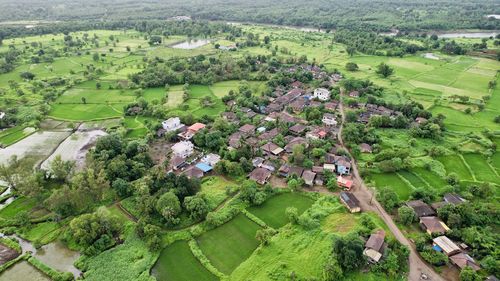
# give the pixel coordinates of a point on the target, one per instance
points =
(418, 267)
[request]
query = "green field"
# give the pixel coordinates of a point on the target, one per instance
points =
(177, 263)
(43, 233)
(21, 204)
(481, 169)
(214, 189)
(272, 211)
(413, 179)
(196, 93)
(14, 134)
(455, 164)
(394, 182)
(433, 180)
(230, 244)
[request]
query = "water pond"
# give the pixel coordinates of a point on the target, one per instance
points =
(468, 35)
(59, 257)
(23, 271)
(191, 44)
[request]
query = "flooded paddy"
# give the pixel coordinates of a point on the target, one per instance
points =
(191, 44)
(59, 257)
(23, 271)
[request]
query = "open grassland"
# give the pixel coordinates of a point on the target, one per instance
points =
(177, 263)
(230, 244)
(131, 260)
(272, 211)
(293, 249)
(135, 126)
(194, 106)
(214, 189)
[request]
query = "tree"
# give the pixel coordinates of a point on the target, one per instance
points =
(384, 70)
(84, 100)
(27, 75)
(293, 214)
(406, 215)
(122, 187)
(169, 207)
(89, 228)
(332, 270)
(61, 170)
(95, 57)
(349, 252)
(468, 274)
(197, 206)
(388, 198)
(264, 235)
(351, 66)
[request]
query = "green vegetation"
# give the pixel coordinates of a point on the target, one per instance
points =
(230, 244)
(272, 211)
(176, 263)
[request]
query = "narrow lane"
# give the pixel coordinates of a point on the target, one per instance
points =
(418, 267)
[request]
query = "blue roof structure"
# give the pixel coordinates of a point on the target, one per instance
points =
(204, 167)
(437, 248)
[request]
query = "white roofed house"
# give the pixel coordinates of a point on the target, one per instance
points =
(172, 124)
(322, 94)
(329, 119)
(183, 149)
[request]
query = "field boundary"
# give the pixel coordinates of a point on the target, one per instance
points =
(468, 167)
(203, 259)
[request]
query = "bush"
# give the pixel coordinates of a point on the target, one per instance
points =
(434, 257)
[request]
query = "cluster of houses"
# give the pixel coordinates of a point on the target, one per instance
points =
(185, 158)
(432, 225)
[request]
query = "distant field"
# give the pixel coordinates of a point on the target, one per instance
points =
(272, 211)
(214, 189)
(19, 205)
(230, 244)
(433, 180)
(86, 112)
(177, 263)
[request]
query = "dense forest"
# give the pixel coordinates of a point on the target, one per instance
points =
(375, 15)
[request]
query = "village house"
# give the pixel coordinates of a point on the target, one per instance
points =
(350, 201)
(316, 133)
(332, 106)
(420, 120)
(433, 225)
(365, 148)
(463, 260)
(234, 140)
(421, 209)
(183, 149)
(298, 105)
(211, 159)
(329, 119)
(247, 130)
(260, 175)
(344, 182)
(229, 116)
(271, 149)
(445, 245)
(191, 131)
(329, 167)
(280, 102)
(321, 94)
(297, 171)
(268, 165)
(354, 94)
(284, 170)
(257, 162)
(452, 198)
(193, 172)
(295, 141)
(296, 84)
(297, 129)
(204, 167)
(177, 162)
(269, 135)
(172, 124)
(374, 247)
(308, 177)
(343, 166)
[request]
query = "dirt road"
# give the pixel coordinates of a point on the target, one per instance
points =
(418, 267)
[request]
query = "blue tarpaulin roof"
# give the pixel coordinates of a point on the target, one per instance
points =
(204, 167)
(437, 248)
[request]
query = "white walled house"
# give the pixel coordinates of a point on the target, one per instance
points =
(183, 149)
(322, 94)
(172, 124)
(329, 119)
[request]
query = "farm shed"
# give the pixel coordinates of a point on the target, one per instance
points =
(350, 201)
(445, 245)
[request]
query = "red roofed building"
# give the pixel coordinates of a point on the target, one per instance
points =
(344, 182)
(191, 131)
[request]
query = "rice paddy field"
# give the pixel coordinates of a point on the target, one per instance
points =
(230, 244)
(272, 212)
(177, 263)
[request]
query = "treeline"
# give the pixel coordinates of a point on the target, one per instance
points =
(364, 14)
